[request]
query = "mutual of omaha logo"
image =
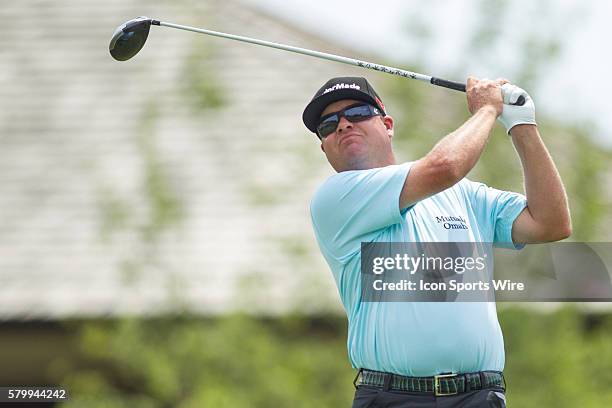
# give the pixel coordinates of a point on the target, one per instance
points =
(341, 86)
(452, 222)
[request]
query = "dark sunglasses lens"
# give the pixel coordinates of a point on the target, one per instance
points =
(328, 126)
(359, 113)
(352, 114)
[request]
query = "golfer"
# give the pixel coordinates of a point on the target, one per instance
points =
(425, 354)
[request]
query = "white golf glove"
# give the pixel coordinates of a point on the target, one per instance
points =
(513, 115)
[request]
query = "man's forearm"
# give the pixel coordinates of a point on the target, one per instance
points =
(456, 154)
(463, 147)
(546, 195)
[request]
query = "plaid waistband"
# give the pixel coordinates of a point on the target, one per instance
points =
(439, 385)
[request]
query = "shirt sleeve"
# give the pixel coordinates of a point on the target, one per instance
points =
(496, 209)
(350, 207)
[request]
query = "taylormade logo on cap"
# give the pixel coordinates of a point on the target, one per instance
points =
(337, 89)
(341, 86)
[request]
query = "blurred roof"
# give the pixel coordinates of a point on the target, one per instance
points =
(124, 190)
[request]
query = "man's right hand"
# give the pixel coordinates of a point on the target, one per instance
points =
(483, 93)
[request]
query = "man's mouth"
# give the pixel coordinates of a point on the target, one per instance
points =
(348, 136)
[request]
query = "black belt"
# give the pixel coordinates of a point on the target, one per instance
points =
(438, 385)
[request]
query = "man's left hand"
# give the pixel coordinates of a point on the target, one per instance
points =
(513, 115)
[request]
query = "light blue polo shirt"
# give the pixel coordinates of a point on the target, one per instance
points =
(411, 338)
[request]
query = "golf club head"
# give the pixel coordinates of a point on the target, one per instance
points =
(129, 38)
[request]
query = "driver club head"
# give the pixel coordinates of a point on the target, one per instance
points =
(129, 38)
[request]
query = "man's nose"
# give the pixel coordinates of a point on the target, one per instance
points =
(344, 124)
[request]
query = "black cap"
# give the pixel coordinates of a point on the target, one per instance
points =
(336, 89)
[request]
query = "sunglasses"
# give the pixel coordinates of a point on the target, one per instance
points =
(354, 113)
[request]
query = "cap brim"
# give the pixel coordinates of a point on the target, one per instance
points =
(312, 112)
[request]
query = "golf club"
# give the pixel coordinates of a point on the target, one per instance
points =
(130, 37)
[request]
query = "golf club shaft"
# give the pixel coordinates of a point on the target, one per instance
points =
(331, 57)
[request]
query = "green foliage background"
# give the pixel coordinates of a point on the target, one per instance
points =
(559, 359)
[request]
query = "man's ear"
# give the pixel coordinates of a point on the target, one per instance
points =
(322, 148)
(388, 122)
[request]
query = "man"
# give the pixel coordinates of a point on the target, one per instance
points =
(425, 354)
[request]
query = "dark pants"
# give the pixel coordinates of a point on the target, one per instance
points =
(372, 397)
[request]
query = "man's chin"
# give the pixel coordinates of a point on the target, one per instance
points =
(353, 147)
(358, 160)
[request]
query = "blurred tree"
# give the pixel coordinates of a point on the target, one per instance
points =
(425, 115)
(558, 359)
(234, 361)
